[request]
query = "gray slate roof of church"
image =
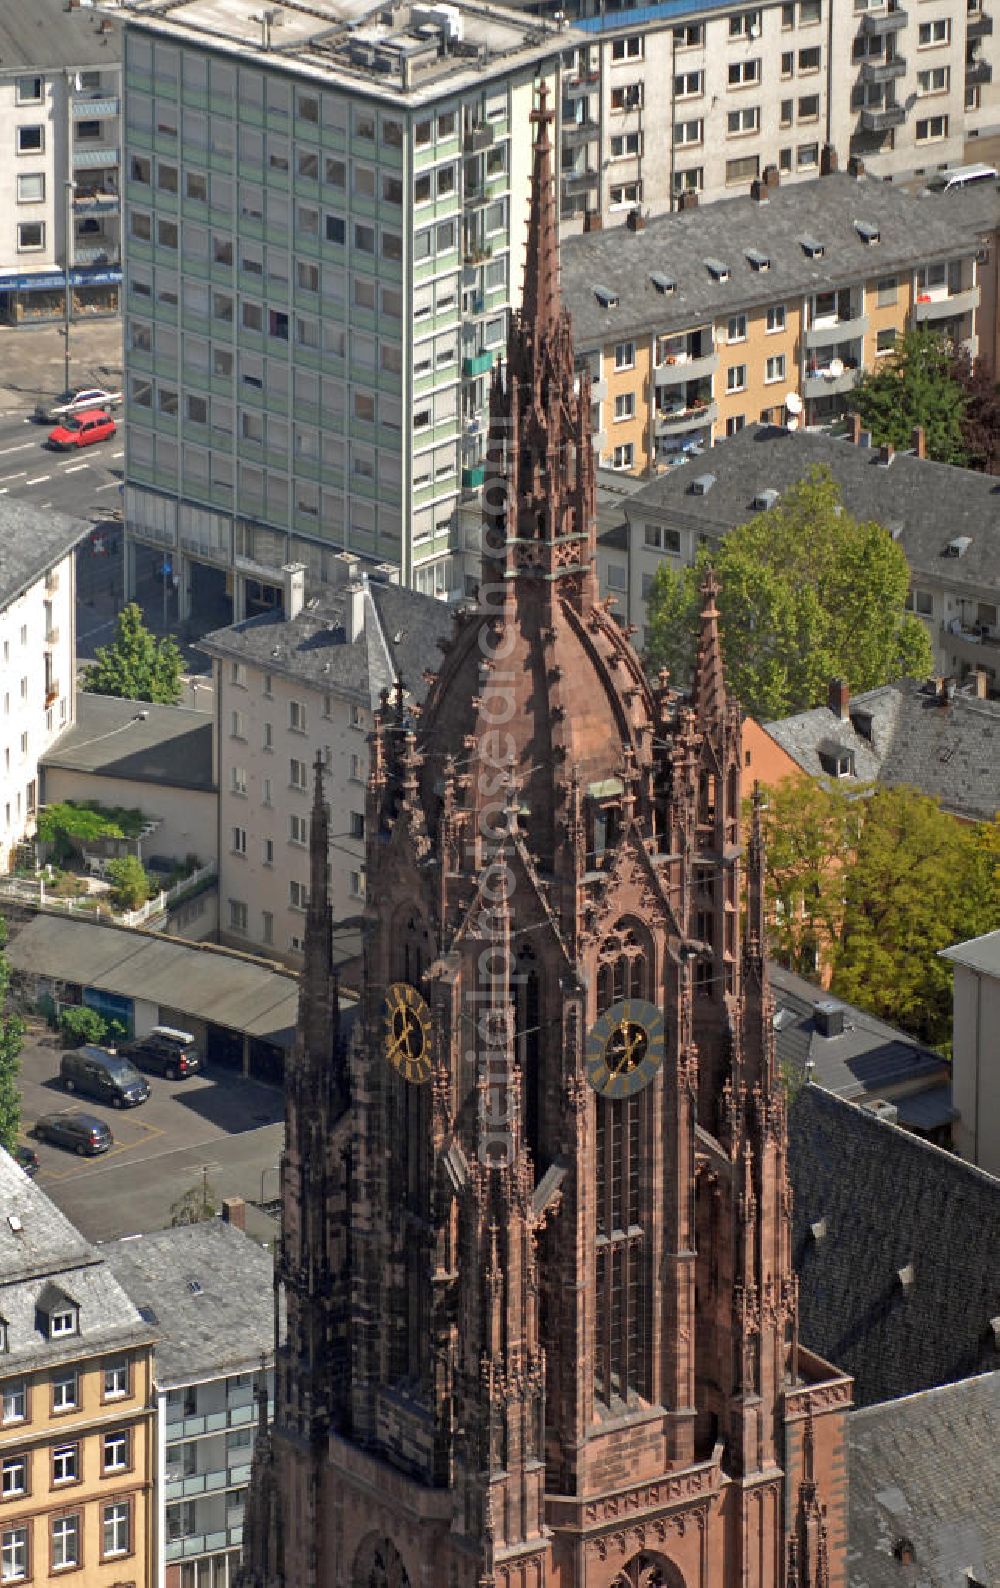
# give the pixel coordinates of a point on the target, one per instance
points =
(890, 1200)
(922, 1468)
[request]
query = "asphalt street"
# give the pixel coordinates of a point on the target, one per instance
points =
(82, 484)
(214, 1126)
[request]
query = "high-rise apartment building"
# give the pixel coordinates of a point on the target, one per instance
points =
(324, 234)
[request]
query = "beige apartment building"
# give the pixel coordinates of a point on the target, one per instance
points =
(654, 108)
(77, 1437)
(289, 688)
(761, 308)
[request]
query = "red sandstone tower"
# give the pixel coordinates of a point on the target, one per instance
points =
(541, 1305)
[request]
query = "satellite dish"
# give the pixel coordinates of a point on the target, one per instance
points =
(836, 368)
(792, 423)
(793, 403)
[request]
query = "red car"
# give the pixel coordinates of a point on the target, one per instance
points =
(79, 430)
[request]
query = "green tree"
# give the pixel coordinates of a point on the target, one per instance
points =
(810, 831)
(808, 594)
(81, 1024)
(136, 666)
(915, 385)
(130, 883)
(919, 881)
(196, 1205)
(11, 1037)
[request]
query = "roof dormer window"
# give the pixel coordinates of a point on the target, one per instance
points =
(62, 1323)
(58, 1314)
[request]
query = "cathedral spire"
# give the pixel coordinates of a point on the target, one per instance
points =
(709, 692)
(317, 996)
(540, 305)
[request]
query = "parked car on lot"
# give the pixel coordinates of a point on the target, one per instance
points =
(104, 1075)
(81, 1133)
(165, 1051)
(27, 1158)
(82, 430)
(75, 401)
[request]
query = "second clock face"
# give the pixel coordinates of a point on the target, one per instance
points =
(625, 1048)
(407, 1032)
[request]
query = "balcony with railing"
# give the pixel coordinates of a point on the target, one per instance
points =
(945, 292)
(835, 317)
(579, 179)
(978, 25)
(580, 131)
(876, 24)
(685, 358)
(685, 408)
(882, 118)
(85, 156)
(977, 73)
(582, 81)
(882, 69)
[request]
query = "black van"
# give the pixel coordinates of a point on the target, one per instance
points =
(104, 1075)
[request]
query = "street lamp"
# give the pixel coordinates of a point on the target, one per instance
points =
(68, 254)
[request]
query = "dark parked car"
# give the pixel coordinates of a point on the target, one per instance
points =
(106, 1076)
(27, 1158)
(81, 1133)
(165, 1051)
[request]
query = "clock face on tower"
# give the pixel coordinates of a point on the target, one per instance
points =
(625, 1048)
(407, 1032)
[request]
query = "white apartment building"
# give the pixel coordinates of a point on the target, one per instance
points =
(975, 1074)
(325, 225)
(289, 688)
(37, 652)
(60, 155)
(655, 108)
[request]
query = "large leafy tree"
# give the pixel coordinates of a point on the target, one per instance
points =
(808, 594)
(810, 829)
(11, 1037)
(981, 419)
(135, 665)
(915, 385)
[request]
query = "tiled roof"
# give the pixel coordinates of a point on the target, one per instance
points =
(31, 541)
(134, 740)
(921, 1470)
(897, 1248)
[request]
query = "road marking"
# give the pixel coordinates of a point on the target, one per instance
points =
(21, 447)
(39, 479)
(74, 468)
(16, 476)
(112, 485)
(120, 454)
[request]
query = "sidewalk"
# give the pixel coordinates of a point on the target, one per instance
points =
(32, 360)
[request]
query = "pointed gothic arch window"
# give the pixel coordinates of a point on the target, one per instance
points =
(378, 1564)
(649, 1570)
(622, 1192)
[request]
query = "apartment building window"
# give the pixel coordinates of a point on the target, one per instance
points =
(742, 170)
(357, 717)
(930, 34)
(298, 830)
(774, 368)
(15, 1398)
(775, 318)
(28, 91)
(807, 156)
(116, 1529)
(355, 773)
(30, 237)
(116, 1378)
(624, 355)
(627, 49)
(115, 1451)
(736, 378)
(627, 96)
(357, 884)
(745, 25)
(296, 716)
(237, 915)
(298, 774)
(267, 926)
(688, 84)
(238, 674)
(65, 1392)
(810, 11)
(239, 841)
(30, 140)
(787, 63)
(741, 123)
(688, 131)
(15, 1477)
(743, 73)
(625, 405)
(736, 328)
(921, 602)
(809, 107)
(626, 145)
(237, 725)
(265, 791)
(690, 37)
(65, 1550)
(627, 193)
(31, 187)
(936, 80)
(658, 538)
(623, 456)
(238, 780)
(691, 180)
(786, 113)
(809, 60)
(267, 852)
(885, 341)
(932, 128)
(357, 825)
(196, 186)
(298, 895)
(787, 17)
(66, 1464)
(14, 1554)
(886, 292)
(735, 423)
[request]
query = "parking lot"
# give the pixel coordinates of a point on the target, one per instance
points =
(215, 1127)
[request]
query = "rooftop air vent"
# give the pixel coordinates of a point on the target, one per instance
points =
(811, 247)
(959, 546)
(818, 1230)
(907, 1277)
(195, 1287)
(887, 1112)
(702, 485)
(15, 1223)
(765, 500)
(718, 269)
(756, 259)
(868, 233)
(148, 1316)
(828, 1016)
(662, 283)
(606, 298)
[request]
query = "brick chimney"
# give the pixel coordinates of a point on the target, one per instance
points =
(827, 160)
(294, 589)
(919, 442)
(688, 200)
(839, 699)
(592, 220)
(758, 191)
(772, 177)
(979, 684)
(635, 220)
(886, 453)
(856, 166)
(854, 429)
(234, 1212)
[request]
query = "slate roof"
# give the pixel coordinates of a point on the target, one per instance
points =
(400, 634)
(41, 1254)
(980, 954)
(31, 541)
(868, 1059)
(613, 490)
(132, 739)
(211, 1290)
(923, 1468)
(927, 503)
(882, 1200)
(912, 736)
(913, 228)
(45, 34)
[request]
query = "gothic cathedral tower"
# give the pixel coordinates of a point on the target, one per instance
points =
(541, 1308)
